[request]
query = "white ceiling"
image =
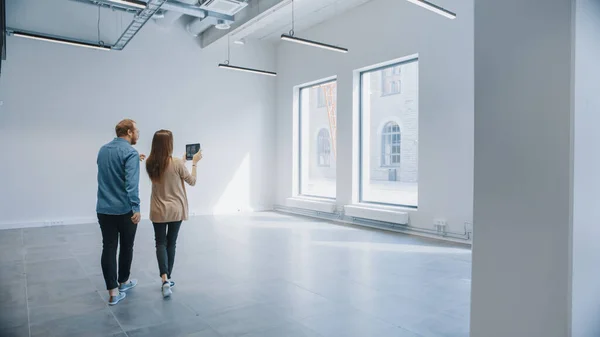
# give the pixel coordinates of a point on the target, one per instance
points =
(308, 13)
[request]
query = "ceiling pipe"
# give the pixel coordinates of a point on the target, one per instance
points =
(169, 15)
(193, 10)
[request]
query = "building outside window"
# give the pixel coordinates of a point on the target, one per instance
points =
(321, 102)
(391, 81)
(389, 129)
(390, 145)
(323, 148)
(317, 153)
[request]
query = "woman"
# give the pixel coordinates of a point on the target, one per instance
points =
(169, 205)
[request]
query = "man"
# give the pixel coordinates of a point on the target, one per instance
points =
(118, 207)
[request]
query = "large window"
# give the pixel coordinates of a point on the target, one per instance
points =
(318, 129)
(389, 128)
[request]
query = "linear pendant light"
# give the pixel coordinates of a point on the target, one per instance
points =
(226, 65)
(248, 70)
(434, 8)
(132, 3)
(39, 37)
(291, 38)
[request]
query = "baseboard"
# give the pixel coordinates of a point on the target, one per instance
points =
(34, 224)
(94, 220)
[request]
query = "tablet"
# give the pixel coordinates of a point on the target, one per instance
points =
(191, 150)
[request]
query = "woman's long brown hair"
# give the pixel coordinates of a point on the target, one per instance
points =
(160, 155)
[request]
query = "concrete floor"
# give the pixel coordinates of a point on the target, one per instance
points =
(259, 275)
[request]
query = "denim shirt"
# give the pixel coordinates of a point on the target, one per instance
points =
(118, 178)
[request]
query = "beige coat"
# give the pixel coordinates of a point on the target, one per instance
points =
(168, 202)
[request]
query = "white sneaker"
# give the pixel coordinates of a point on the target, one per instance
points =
(166, 289)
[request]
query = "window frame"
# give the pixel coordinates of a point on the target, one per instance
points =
(300, 138)
(359, 73)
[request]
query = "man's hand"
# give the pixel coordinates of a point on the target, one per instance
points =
(142, 157)
(136, 218)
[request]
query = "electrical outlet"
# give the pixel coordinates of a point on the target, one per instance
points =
(440, 225)
(49, 223)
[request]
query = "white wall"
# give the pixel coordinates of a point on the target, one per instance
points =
(522, 186)
(61, 104)
(586, 184)
(376, 32)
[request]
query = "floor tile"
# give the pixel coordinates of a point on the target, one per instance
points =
(11, 238)
(99, 323)
(13, 316)
(240, 321)
(12, 271)
(13, 293)
(206, 306)
(44, 236)
(287, 330)
(192, 327)
(11, 254)
(45, 253)
(347, 323)
(43, 294)
(53, 271)
(134, 315)
(65, 308)
(20, 331)
(398, 311)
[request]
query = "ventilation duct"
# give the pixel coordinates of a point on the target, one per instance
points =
(168, 17)
(227, 7)
(197, 26)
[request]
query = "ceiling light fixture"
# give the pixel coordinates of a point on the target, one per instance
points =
(248, 70)
(226, 65)
(39, 37)
(434, 8)
(131, 3)
(291, 38)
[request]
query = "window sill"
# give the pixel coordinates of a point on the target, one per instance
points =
(398, 215)
(313, 204)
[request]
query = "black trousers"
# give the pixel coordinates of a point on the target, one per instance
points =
(114, 227)
(165, 235)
